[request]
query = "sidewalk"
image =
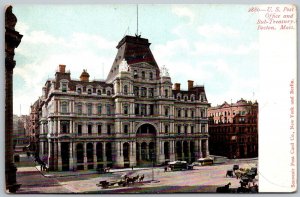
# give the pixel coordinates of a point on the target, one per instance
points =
(52, 174)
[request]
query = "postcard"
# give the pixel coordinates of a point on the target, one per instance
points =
(150, 98)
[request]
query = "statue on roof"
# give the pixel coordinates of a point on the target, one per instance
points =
(123, 67)
(164, 72)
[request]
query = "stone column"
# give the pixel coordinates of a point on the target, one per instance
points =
(59, 161)
(119, 155)
(55, 155)
(95, 155)
(50, 156)
(147, 152)
(140, 151)
(71, 161)
(104, 154)
(172, 150)
(200, 148)
(132, 154)
(189, 151)
(182, 152)
(84, 156)
(74, 156)
(207, 151)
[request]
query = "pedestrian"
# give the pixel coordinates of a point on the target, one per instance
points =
(166, 168)
(131, 167)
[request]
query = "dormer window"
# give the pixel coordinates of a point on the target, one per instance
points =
(108, 93)
(89, 91)
(185, 98)
(64, 87)
(98, 92)
(79, 90)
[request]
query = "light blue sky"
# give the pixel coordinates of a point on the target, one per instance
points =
(214, 45)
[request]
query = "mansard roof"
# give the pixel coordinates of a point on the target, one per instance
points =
(133, 49)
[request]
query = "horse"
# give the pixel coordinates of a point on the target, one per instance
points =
(136, 177)
(130, 180)
(229, 173)
(224, 189)
(141, 178)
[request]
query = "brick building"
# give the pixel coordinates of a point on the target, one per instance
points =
(233, 130)
(130, 119)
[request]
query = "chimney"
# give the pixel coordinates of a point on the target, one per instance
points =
(84, 76)
(62, 68)
(190, 84)
(177, 86)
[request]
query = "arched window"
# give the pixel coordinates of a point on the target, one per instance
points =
(151, 76)
(98, 92)
(125, 89)
(185, 98)
(108, 93)
(64, 87)
(79, 90)
(89, 91)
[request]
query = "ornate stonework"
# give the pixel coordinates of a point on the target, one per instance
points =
(164, 72)
(123, 67)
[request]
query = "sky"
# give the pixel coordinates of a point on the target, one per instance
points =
(214, 45)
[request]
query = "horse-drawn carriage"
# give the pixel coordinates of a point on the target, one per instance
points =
(124, 181)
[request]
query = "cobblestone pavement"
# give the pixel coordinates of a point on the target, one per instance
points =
(201, 179)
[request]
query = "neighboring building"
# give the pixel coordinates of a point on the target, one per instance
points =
(233, 130)
(33, 125)
(130, 119)
(19, 133)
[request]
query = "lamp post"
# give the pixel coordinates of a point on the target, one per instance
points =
(152, 158)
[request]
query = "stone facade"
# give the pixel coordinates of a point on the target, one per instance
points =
(233, 129)
(133, 118)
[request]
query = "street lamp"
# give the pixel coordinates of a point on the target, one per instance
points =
(152, 158)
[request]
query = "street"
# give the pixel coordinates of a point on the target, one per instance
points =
(201, 179)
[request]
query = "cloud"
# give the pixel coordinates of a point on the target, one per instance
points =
(182, 11)
(214, 48)
(217, 30)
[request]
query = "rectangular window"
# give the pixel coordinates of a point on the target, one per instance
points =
(186, 129)
(79, 129)
(108, 110)
(99, 129)
(192, 129)
(90, 108)
(166, 128)
(202, 128)
(178, 129)
(125, 129)
(64, 107)
(64, 126)
(89, 129)
(192, 114)
(79, 109)
(179, 113)
(125, 109)
(99, 109)
(186, 113)
(151, 92)
(143, 110)
(136, 90)
(151, 109)
(166, 111)
(108, 129)
(144, 92)
(136, 109)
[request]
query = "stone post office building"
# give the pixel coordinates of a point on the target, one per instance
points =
(133, 118)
